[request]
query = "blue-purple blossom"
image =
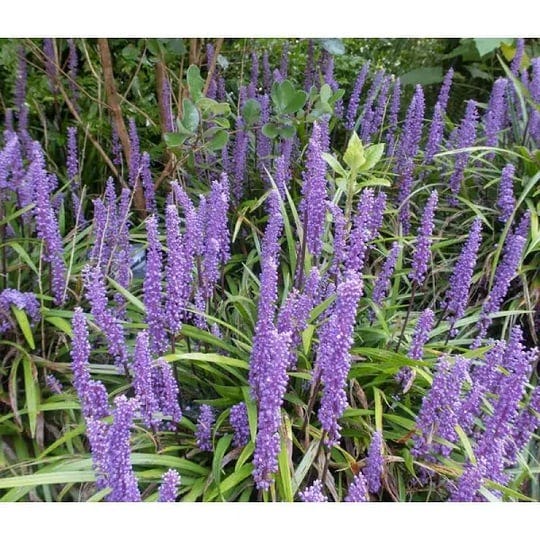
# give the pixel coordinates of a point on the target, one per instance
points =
(422, 249)
(368, 112)
(239, 159)
(375, 463)
(313, 493)
(466, 135)
(354, 100)
(95, 292)
(203, 433)
(309, 71)
(333, 356)
(412, 130)
(240, 424)
(53, 384)
(376, 113)
(166, 393)
(506, 200)
(393, 113)
(72, 163)
(25, 301)
(494, 118)
(362, 231)
(457, 294)
(358, 490)
(382, 284)
(314, 196)
(142, 381)
(152, 292)
(168, 490)
(51, 67)
(506, 269)
(444, 92)
(515, 65)
(134, 153)
(73, 62)
(435, 136)
(120, 475)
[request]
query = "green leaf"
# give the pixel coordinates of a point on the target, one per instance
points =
(31, 389)
(251, 112)
(423, 75)
(24, 325)
(287, 132)
(207, 357)
(173, 140)
(305, 465)
(488, 45)
(61, 324)
(285, 480)
(221, 447)
(325, 93)
(466, 443)
(334, 164)
(373, 155)
(354, 155)
(190, 116)
(378, 409)
(334, 46)
(43, 479)
(295, 101)
(195, 82)
(219, 140)
(132, 299)
(270, 131)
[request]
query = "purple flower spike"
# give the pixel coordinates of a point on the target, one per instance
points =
(494, 118)
(167, 394)
(506, 200)
(313, 493)
(134, 153)
(152, 289)
(354, 101)
(168, 490)
(142, 380)
(457, 295)
(466, 136)
(422, 249)
(333, 357)
(72, 156)
(204, 428)
(395, 104)
(314, 196)
(240, 424)
(358, 490)
(120, 475)
(375, 463)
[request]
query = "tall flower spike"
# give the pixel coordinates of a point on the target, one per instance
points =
(436, 132)
(466, 135)
(382, 284)
(368, 112)
(239, 423)
(134, 153)
(358, 490)
(313, 493)
(73, 63)
(361, 232)
(333, 356)
(422, 249)
(412, 130)
(457, 294)
(166, 393)
(377, 113)
(354, 101)
(72, 155)
(395, 104)
(314, 196)
(142, 380)
(168, 490)
(494, 118)
(51, 67)
(375, 463)
(25, 301)
(240, 151)
(120, 475)
(506, 200)
(95, 292)
(204, 428)
(506, 269)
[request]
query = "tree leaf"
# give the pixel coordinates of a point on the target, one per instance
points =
(354, 155)
(195, 82)
(190, 116)
(423, 75)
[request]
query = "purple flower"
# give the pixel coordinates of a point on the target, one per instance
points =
(204, 428)
(469, 482)
(377, 114)
(95, 292)
(97, 432)
(423, 242)
(382, 284)
(506, 269)
(166, 100)
(284, 62)
(25, 301)
(333, 357)
(515, 65)
(263, 337)
(313, 493)
(457, 294)
(51, 67)
(134, 153)
(412, 130)
(354, 101)
(466, 135)
(73, 62)
(142, 380)
(47, 224)
(495, 116)
(120, 475)
(168, 490)
(442, 399)
(375, 463)
(72, 155)
(358, 490)
(54, 385)
(368, 112)
(148, 184)
(152, 289)
(444, 92)
(217, 236)
(239, 158)
(314, 196)
(166, 393)
(362, 231)
(264, 144)
(395, 104)
(506, 200)
(436, 132)
(309, 71)
(240, 425)
(21, 80)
